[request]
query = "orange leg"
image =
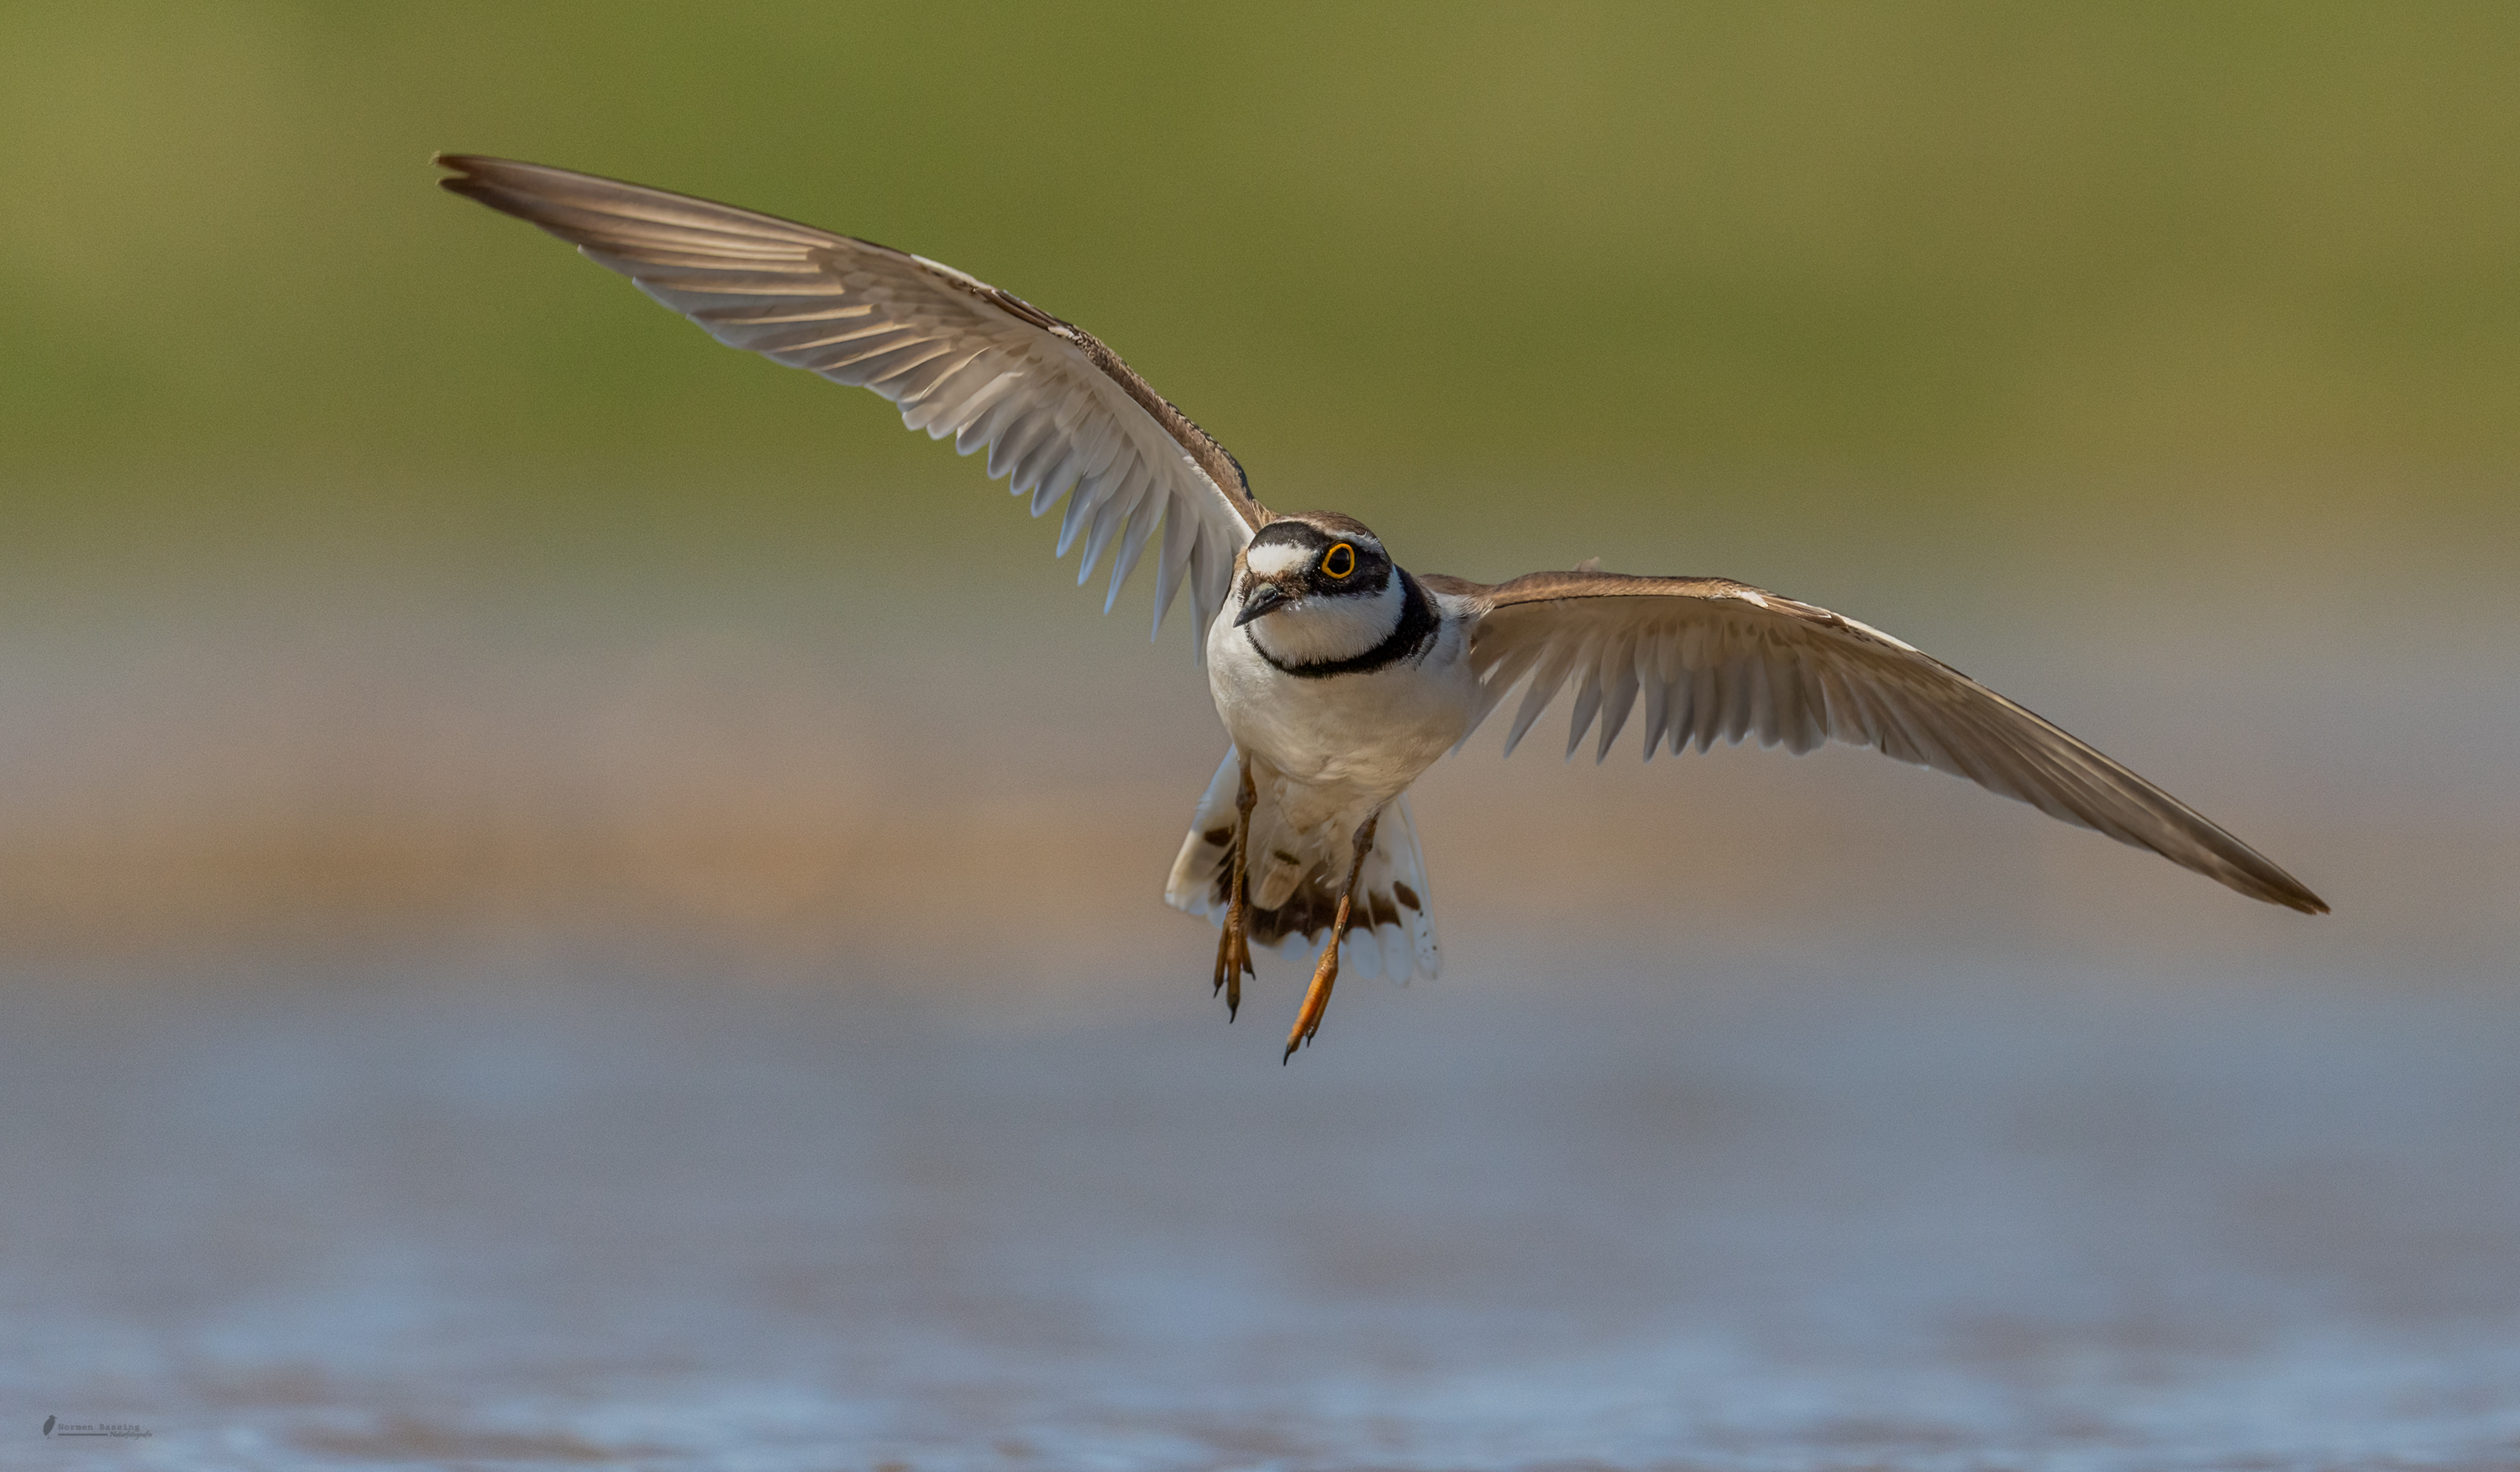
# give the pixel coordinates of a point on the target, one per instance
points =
(1326, 975)
(1233, 948)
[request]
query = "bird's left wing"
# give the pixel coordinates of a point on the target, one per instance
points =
(1721, 661)
(1054, 409)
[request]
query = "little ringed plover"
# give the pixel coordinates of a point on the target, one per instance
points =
(1341, 677)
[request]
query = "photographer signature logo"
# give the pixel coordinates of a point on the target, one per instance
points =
(55, 1426)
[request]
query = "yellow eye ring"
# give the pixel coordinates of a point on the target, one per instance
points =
(1338, 561)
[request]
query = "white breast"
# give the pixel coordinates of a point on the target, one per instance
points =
(1366, 733)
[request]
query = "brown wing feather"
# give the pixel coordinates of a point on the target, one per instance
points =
(1057, 409)
(1716, 660)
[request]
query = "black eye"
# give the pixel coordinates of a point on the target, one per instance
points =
(1338, 561)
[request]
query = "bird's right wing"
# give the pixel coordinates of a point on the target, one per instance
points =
(1721, 661)
(1054, 409)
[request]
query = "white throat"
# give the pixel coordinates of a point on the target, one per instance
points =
(1316, 630)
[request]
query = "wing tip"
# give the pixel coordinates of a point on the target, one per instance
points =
(475, 177)
(461, 169)
(2260, 877)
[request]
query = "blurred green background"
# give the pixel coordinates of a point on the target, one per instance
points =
(1921, 246)
(2111, 339)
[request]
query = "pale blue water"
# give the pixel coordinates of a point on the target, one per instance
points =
(562, 1215)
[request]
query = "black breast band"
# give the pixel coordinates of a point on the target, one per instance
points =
(1409, 639)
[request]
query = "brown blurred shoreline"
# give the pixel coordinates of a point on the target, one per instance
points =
(824, 761)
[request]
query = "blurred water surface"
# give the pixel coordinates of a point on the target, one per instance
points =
(577, 1210)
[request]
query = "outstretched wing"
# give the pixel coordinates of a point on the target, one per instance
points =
(1721, 661)
(1057, 410)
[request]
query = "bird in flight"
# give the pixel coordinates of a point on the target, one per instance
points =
(1340, 675)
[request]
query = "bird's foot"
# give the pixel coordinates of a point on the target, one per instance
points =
(1317, 999)
(1233, 948)
(1233, 959)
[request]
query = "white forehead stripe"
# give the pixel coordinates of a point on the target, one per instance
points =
(1277, 556)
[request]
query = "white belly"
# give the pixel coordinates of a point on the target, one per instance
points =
(1352, 738)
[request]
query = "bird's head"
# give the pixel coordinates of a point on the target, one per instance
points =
(1316, 587)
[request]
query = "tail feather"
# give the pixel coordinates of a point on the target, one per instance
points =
(1391, 930)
